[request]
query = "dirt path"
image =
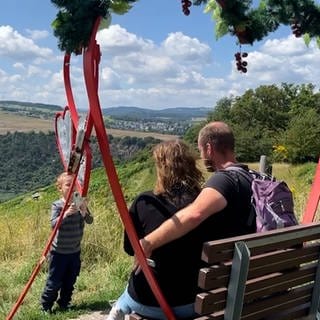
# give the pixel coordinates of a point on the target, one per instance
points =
(96, 315)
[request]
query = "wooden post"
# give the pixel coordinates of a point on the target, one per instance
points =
(265, 166)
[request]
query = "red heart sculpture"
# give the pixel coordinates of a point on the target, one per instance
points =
(65, 135)
(66, 139)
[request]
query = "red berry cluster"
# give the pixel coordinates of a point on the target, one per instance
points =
(186, 4)
(241, 65)
(296, 29)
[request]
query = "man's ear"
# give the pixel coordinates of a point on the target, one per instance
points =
(209, 149)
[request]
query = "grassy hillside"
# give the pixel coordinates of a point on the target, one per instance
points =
(16, 122)
(24, 226)
(33, 160)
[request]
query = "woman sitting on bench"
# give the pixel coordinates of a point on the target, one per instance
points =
(176, 264)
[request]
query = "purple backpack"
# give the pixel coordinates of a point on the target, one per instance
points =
(271, 199)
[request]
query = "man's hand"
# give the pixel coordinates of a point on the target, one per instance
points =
(146, 247)
(147, 251)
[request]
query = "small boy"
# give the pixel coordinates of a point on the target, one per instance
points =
(64, 260)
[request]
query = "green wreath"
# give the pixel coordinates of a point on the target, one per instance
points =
(249, 24)
(75, 19)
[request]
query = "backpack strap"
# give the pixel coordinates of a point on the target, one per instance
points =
(166, 207)
(243, 172)
(249, 175)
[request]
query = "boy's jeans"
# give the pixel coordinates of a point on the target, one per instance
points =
(63, 272)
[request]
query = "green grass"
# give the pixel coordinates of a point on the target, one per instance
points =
(25, 228)
(299, 179)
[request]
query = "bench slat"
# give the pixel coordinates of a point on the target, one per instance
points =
(274, 305)
(218, 276)
(280, 282)
(216, 299)
(222, 250)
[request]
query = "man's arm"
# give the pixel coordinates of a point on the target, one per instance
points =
(208, 202)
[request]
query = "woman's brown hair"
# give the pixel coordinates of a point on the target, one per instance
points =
(176, 166)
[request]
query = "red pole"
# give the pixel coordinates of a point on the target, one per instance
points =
(313, 200)
(91, 61)
(75, 120)
(69, 94)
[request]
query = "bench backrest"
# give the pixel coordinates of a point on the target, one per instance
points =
(272, 275)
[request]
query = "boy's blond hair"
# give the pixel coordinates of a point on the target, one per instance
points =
(61, 178)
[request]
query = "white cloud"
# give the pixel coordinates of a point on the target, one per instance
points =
(118, 41)
(8, 79)
(110, 78)
(277, 61)
(37, 34)
(188, 49)
(286, 46)
(34, 71)
(17, 47)
(19, 65)
(146, 69)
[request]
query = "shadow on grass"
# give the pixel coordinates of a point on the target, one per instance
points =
(103, 306)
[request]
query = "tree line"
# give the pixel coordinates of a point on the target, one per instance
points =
(282, 122)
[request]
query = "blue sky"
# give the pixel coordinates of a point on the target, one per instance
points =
(153, 57)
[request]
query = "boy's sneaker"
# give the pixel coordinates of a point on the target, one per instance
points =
(45, 310)
(65, 308)
(115, 314)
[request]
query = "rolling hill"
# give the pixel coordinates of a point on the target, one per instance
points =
(135, 113)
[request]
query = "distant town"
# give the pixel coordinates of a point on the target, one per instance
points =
(166, 127)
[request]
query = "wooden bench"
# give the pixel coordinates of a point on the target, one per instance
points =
(272, 275)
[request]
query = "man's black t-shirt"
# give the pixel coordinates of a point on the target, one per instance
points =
(235, 218)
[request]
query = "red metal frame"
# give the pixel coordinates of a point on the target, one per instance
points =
(75, 120)
(313, 200)
(71, 107)
(91, 60)
(87, 155)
